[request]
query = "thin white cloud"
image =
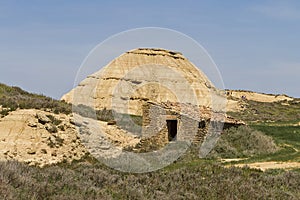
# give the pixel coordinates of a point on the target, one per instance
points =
(282, 10)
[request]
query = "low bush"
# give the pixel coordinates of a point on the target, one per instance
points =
(243, 142)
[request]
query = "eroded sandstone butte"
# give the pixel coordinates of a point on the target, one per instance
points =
(156, 75)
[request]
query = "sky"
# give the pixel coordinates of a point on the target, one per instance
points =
(255, 44)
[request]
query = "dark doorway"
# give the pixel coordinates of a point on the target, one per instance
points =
(172, 129)
(201, 124)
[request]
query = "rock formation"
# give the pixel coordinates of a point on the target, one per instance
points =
(156, 75)
(161, 77)
(39, 138)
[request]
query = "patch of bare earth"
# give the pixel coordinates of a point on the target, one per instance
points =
(226, 160)
(270, 165)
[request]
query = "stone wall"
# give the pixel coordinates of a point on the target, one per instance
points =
(155, 131)
(154, 119)
(187, 128)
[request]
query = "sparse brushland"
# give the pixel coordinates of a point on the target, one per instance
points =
(278, 111)
(194, 179)
(12, 98)
(272, 135)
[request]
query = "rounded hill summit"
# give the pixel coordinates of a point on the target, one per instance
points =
(144, 74)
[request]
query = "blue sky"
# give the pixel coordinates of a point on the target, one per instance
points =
(255, 44)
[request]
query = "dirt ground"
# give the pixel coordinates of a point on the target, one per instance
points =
(270, 165)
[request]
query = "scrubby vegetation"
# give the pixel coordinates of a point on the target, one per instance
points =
(243, 142)
(187, 178)
(280, 111)
(195, 179)
(12, 98)
(286, 137)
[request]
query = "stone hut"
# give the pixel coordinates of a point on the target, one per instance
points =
(174, 99)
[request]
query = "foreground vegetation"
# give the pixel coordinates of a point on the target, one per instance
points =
(196, 179)
(188, 178)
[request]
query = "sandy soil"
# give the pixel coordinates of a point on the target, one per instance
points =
(270, 165)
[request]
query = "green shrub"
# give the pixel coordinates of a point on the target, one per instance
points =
(243, 142)
(54, 120)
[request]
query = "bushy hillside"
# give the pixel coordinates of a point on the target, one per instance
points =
(280, 111)
(12, 98)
